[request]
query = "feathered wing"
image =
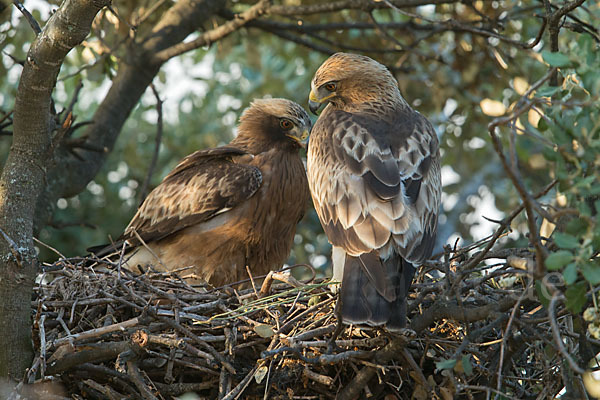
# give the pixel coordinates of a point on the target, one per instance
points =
(376, 188)
(204, 184)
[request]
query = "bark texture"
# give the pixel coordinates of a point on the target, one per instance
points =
(23, 176)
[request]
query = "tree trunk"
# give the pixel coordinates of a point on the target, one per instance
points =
(23, 177)
(70, 175)
(33, 179)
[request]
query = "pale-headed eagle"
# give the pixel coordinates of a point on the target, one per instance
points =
(374, 175)
(226, 208)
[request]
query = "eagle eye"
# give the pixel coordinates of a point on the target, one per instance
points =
(330, 86)
(286, 124)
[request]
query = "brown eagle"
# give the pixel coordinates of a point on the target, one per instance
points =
(226, 208)
(374, 175)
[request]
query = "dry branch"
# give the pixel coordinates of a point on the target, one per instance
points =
(242, 345)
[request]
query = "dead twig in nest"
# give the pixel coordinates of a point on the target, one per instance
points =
(141, 336)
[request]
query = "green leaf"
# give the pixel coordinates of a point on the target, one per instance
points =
(576, 298)
(445, 364)
(592, 191)
(549, 153)
(591, 272)
(556, 59)
(547, 91)
(577, 226)
(558, 260)
(565, 241)
(264, 331)
(570, 273)
(466, 364)
(584, 209)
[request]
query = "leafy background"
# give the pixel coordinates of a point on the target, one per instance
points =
(460, 80)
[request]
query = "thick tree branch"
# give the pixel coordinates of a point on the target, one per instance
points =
(442, 309)
(24, 172)
(216, 34)
(71, 174)
(554, 19)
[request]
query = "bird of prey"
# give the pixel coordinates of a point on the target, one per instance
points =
(229, 207)
(374, 176)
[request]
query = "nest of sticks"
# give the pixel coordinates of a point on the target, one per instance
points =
(476, 329)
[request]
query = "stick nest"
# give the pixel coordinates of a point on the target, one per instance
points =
(476, 329)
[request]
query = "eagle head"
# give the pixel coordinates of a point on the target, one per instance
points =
(346, 78)
(277, 120)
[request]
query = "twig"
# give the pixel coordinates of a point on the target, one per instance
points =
(507, 335)
(32, 22)
(138, 237)
(252, 280)
(98, 331)
(514, 175)
(353, 389)
(323, 359)
(319, 378)
(137, 379)
(107, 391)
(560, 346)
(6, 116)
(440, 309)
(216, 34)
(488, 390)
(149, 12)
(89, 353)
(42, 345)
(239, 389)
(121, 20)
(157, 142)
(69, 109)
(284, 276)
(415, 367)
(14, 249)
(293, 38)
(333, 6)
(554, 28)
(49, 247)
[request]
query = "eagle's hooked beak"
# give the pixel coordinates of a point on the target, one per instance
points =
(314, 103)
(299, 136)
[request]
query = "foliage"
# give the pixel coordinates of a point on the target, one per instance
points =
(512, 88)
(445, 76)
(571, 122)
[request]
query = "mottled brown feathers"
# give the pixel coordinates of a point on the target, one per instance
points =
(260, 124)
(374, 174)
(360, 79)
(223, 209)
